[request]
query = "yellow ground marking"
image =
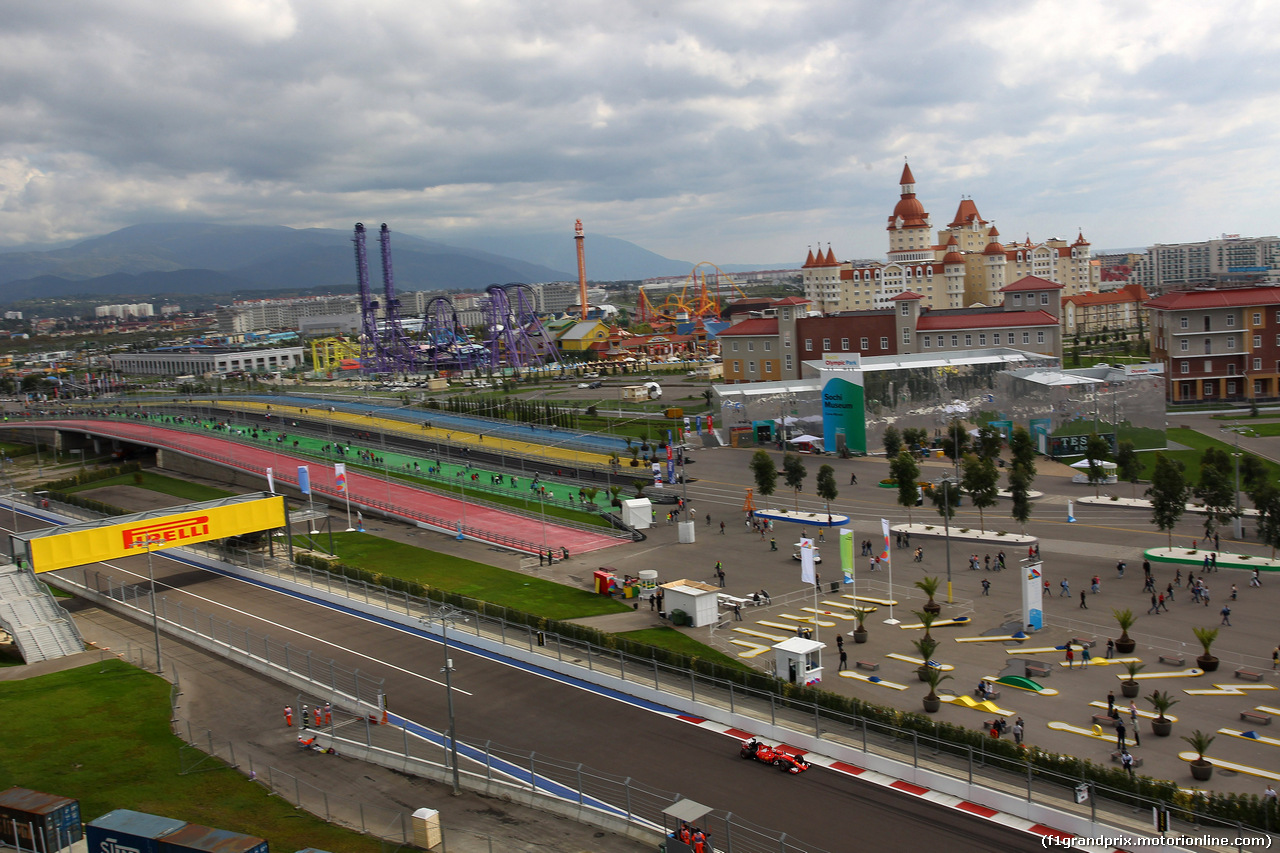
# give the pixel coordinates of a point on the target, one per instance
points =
(1153, 676)
(1231, 765)
(1146, 715)
(1266, 709)
(789, 628)
(753, 649)
(969, 702)
(1002, 638)
(887, 602)
(1229, 689)
(872, 679)
(945, 667)
(750, 632)
(942, 623)
(1058, 726)
(1270, 741)
(846, 617)
(809, 619)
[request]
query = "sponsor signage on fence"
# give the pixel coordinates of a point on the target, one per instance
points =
(111, 541)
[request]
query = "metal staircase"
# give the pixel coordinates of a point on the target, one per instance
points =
(41, 629)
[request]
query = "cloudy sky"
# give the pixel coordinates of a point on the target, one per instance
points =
(734, 132)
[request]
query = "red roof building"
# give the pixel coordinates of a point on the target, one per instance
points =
(1218, 345)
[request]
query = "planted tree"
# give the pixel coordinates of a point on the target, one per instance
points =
(1128, 464)
(1097, 451)
(764, 472)
(793, 474)
(1216, 489)
(1168, 494)
(1020, 494)
(860, 614)
(1201, 770)
(915, 437)
(1206, 636)
(981, 480)
(956, 441)
(826, 486)
(929, 586)
(892, 441)
(1266, 500)
(904, 470)
(933, 676)
(1129, 687)
(925, 647)
(1022, 452)
(1125, 619)
(989, 442)
(1161, 701)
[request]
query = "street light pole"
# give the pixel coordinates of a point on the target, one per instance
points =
(155, 618)
(446, 616)
(946, 521)
(1237, 525)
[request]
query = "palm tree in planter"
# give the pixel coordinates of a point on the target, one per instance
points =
(861, 614)
(1206, 661)
(1129, 687)
(933, 676)
(1201, 770)
(929, 586)
(1125, 619)
(927, 618)
(1161, 726)
(925, 647)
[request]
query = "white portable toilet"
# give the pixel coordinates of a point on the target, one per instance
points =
(648, 583)
(798, 660)
(698, 600)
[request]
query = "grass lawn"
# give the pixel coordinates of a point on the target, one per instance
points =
(103, 738)
(676, 641)
(1190, 459)
(192, 492)
(466, 577)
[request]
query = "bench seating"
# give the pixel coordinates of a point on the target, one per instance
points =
(869, 665)
(1173, 660)
(1248, 674)
(1105, 720)
(1256, 717)
(1038, 670)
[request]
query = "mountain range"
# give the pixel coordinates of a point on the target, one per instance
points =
(190, 259)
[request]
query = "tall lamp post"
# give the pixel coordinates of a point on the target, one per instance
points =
(448, 615)
(150, 544)
(1237, 523)
(946, 522)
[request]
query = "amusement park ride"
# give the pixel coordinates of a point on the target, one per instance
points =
(514, 337)
(705, 291)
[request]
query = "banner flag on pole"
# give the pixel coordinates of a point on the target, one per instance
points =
(806, 561)
(340, 477)
(271, 481)
(304, 479)
(846, 553)
(884, 527)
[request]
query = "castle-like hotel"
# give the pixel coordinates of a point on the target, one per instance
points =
(965, 265)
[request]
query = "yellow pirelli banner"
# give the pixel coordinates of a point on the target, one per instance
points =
(112, 541)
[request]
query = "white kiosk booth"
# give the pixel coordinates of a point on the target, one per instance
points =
(798, 660)
(637, 513)
(698, 600)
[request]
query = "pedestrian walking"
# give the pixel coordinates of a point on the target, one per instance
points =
(288, 711)
(986, 587)
(1155, 605)
(1111, 648)
(773, 544)
(1168, 593)
(1083, 605)
(1111, 703)
(1071, 657)
(1120, 734)
(1126, 761)
(1085, 656)
(1161, 604)
(653, 602)
(328, 713)
(1146, 567)
(1096, 585)
(1275, 657)
(1204, 594)
(853, 479)
(1066, 588)
(840, 642)
(737, 611)
(708, 519)
(306, 717)
(722, 528)
(1017, 731)
(720, 573)
(1213, 560)
(1234, 592)
(1215, 542)
(1226, 615)
(1255, 580)
(1120, 569)
(844, 660)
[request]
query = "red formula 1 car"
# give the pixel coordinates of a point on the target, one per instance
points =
(773, 755)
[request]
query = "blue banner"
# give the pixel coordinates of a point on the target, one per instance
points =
(304, 479)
